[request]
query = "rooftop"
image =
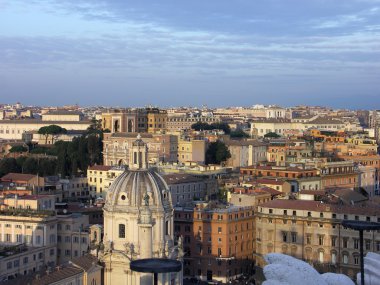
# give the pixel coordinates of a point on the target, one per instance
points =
(368, 210)
(10, 177)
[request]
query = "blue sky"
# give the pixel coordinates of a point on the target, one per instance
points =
(173, 53)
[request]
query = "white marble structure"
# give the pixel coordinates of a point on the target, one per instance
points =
(138, 222)
(286, 270)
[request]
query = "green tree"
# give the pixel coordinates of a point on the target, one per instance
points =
(30, 166)
(95, 127)
(18, 148)
(239, 133)
(95, 147)
(63, 160)
(8, 165)
(53, 130)
(200, 126)
(217, 153)
(271, 135)
(221, 126)
(47, 167)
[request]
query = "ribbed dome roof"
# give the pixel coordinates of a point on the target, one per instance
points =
(130, 188)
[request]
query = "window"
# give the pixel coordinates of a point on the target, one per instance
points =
(345, 242)
(356, 260)
(219, 230)
(284, 236)
(367, 244)
(308, 239)
(294, 237)
(321, 257)
(333, 241)
(356, 244)
(321, 239)
(121, 231)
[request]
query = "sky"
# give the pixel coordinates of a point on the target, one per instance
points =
(190, 53)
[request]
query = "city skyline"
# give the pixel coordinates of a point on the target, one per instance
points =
(173, 54)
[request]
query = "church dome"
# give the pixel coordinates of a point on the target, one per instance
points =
(132, 186)
(138, 185)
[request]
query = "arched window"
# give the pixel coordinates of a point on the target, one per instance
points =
(121, 231)
(345, 258)
(321, 256)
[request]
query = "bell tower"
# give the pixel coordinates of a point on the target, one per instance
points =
(138, 155)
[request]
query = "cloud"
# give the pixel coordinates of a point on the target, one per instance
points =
(339, 22)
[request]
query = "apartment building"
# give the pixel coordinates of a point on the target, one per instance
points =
(27, 236)
(245, 152)
(193, 150)
(217, 239)
(157, 120)
(73, 238)
(312, 231)
(185, 188)
(99, 177)
(339, 174)
(75, 189)
(179, 123)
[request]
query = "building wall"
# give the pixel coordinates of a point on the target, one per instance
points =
(72, 236)
(14, 129)
(319, 241)
(38, 232)
(61, 117)
(157, 120)
(162, 147)
(218, 244)
(191, 150)
(75, 188)
(99, 180)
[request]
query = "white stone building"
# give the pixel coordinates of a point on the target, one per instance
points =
(138, 222)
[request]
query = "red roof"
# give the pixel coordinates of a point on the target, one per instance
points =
(16, 177)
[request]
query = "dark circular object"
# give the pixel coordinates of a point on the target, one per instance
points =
(123, 197)
(361, 225)
(156, 265)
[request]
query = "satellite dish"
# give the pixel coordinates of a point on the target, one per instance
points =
(64, 211)
(11, 184)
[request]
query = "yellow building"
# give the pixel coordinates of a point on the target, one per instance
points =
(192, 150)
(157, 120)
(99, 177)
